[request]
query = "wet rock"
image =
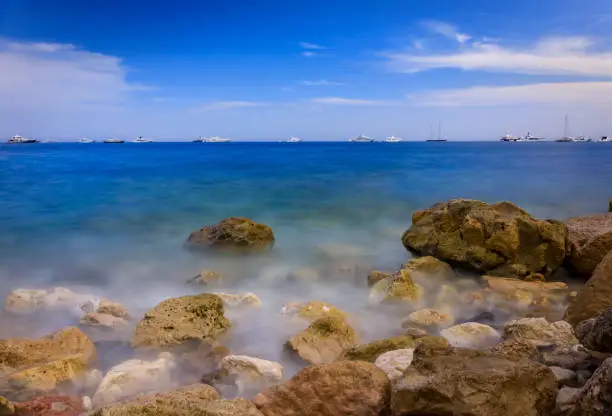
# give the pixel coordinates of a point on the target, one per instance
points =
(471, 335)
(244, 300)
(103, 320)
(370, 352)
(393, 363)
(34, 367)
(589, 240)
(134, 377)
(566, 401)
(441, 381)
(177, 321)
(595, 296)
(610, 206)
(51, 406)
(115, 309)
(311, 311)
(596, 333)
(28, 301)
(415, 332)
(516, 349)
(563, 376)
(496, 239)
(398, 288)
(428, 318)
(509, 287)
(323, 341)
(484, 317)
(304, 275)
(595, 398)
(571, 357)
(376, 276)
(344, 388)
(207, 277)
(247, 374)
(429, 267)
(540, 332)
(233, 234)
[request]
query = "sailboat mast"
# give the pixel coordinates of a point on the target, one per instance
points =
(439, 130)
(566, 128)
(430, 132)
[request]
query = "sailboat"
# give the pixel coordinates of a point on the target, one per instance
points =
(439, 139)
(566, 137)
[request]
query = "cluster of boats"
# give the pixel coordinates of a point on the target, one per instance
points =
(566, 139)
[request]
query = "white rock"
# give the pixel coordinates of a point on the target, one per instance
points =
(540, 332)
(249, 373)
(87, 405)
(134, 377)
(471, 335)
(24, 301)
(393, 363)
(429, 317)
(239, 301)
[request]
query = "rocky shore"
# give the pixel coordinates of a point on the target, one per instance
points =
(487, 325)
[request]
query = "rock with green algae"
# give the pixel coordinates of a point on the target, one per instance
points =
(497, 239)
(430, 267)
(181, 320)
(323, 341)
(398, 288)
(311, 311)
(371, 351)
(376, 276)
(234, 234)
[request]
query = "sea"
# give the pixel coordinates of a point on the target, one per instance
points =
(111, 220)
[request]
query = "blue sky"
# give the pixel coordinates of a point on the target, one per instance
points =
(323, 70)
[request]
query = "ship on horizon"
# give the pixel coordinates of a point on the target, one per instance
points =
(362, 139)
(439, 139)
(17, 139)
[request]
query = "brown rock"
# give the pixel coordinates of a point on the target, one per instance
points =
(344, 388)
(517, 349)
(595, 398)
(177, 321)
(313, 310)
(51, 406)
(113, 308)
(207, 277)
(595, 296)
(452, 381)
(376, 276)
(589, 240)
(430, 267)
(398, 288)
(498, 239)
(233, 234)
(596, 333)
(323, 341)
(370, 352)
(509, 286)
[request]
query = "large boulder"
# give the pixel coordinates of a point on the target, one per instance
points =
(453, 381)
(181, 320)
(596, 333)
(370, 352)
(344, 388)
(540, 332)
(595, 296)
(595, 398)
(35, 367)
(233, 234)
(496, 239)
(589, 240)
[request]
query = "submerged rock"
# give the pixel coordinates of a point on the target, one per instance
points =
(95, 319)
(398, 288)
(539, 331)
(311, 311)
(428, 318)
(370, 352)
(207, 277)
(28, 301)
(233, 234)
(471, 335)
(376, 276)
(108, 307)
(244, 300)
(248, 374)
(395, 362)
(497, 239)
(589, 240)
(595, 296)
(443, 381)
(176, 321)
(429, 267)
(344, 388)
(323, 341)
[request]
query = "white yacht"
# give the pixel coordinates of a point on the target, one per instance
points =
(86, 140)
(21, 140)
(114, 141)
(217, 139)
(362, 139)
(507, 138)
(393, 139)
(139, 139)
(198, 140)
(294, 139)
(528, 138)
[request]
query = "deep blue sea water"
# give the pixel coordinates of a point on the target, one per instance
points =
(113, 218)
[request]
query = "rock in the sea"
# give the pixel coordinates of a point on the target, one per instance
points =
(596, 333)
(540, 332)
(28, 301)
(102, 320)
(311, 311)
(595, 296)
(35, 367)
(589, 240)
(176, 321)
(207, 277)
(453, 381)
(554, 291)
(429, 267)
(51, 406)
(233, 234)
(248, 374)
(344, 388)
(394, 363)
(370, 352)
(376, 276)
(398, 288)
(108, 307)
(595, 398)
(471, 335)
(428, 318)
(496, 239)
(243, 300)
(134, 377)
(323, 341)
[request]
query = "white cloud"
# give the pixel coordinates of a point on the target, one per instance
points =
(308, 45)
(554, 93)
(308, 54)
(320, 83)
(549, 56)
(228, 105)
(447, 30)
(349, 101)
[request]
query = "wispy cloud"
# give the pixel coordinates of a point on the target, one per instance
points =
(543, 93)
(308, 54)
(228, 105)
(447, 30)
(321, 83)
(313, 46)
(349, 101)
(549, 56)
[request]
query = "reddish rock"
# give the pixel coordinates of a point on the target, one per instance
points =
(51, 406)
(589, 240)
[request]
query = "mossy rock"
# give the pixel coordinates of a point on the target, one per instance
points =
(371, 351)
(398, 288)
(234, 234)
(313, 310)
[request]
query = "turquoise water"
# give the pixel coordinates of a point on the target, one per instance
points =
(112, 219)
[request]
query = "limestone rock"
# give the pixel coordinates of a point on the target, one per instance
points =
(207, 277)
(28, 301)
(244, 300)
(540, 332)
(496, 239)
(394, 363)
(516, 349)
(553, 291)
(376, 276)
(595, 296)
(233, 234)
(248, 374)
(471, 335)
(398, 288)
(323, 341)
(445, 381)
(311, 311)
(370, 352)
(108, 307)
(134, 377)
(428, 318)
(429, 267)
(589, 240)
(176, 321)
(102, 320)
(344, 388)
(6, 407)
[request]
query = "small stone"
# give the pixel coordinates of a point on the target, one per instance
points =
(428, 318)
(244, 300)
(471, 335)
(566, 401)
(393, 363)
(371, 351)
(564, 377)
(207, 277)
(102, 320)
(248, 374)
(113, 308)
(376, 276)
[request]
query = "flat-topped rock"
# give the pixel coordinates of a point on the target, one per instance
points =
(371, 351)
(234, 234)
(590, 239)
